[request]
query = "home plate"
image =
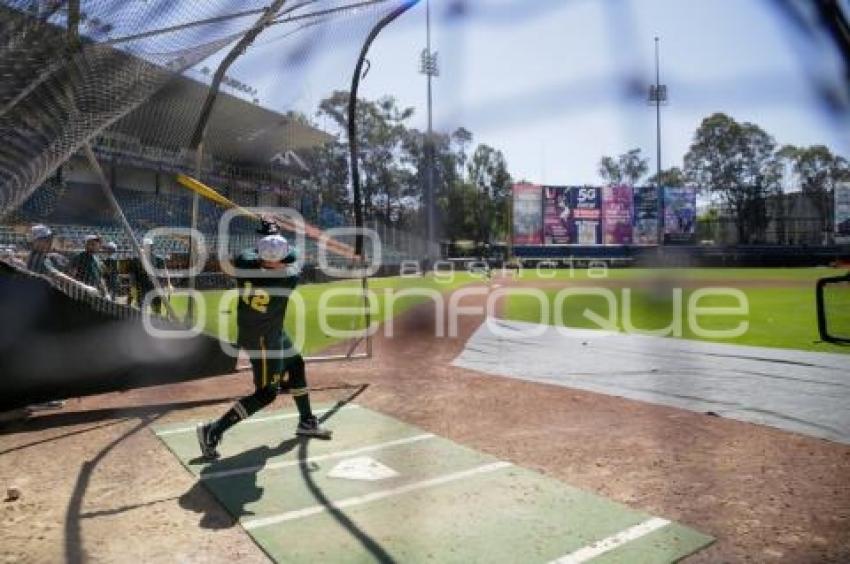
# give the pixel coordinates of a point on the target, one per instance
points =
(362, 468)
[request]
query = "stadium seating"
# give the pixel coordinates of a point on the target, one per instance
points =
(75, 210)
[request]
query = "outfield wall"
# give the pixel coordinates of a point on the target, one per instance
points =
(684, 255)
(610, 215)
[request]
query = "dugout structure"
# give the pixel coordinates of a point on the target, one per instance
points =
(74, 71)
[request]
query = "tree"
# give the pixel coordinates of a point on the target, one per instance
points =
(628, 168)
(461, 139)
(633, 166)
(470, 191)
(818, 171)
(328, 164)
(610, 171)
(458, 205)
(673, 177)
(488, 173)
(737, 161)
(380, 136)
(414, 156)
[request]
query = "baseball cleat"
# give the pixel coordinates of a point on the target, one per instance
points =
(310, 428)
(207, 441)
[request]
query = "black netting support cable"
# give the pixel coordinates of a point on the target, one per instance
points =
(352, 119)
(238, 49)
(197, 143)
(835, 21)
(107, 191)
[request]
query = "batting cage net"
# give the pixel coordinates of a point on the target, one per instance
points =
(167, 131)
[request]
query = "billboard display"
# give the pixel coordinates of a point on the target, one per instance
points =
(556, 215)
(842, 213)
(645, 216)
(680, 214)
(528, 214)
(586, 226)
(620, 215)
(572, 215)
(617, 215)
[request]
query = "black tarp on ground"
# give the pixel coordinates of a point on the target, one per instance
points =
(56, 343)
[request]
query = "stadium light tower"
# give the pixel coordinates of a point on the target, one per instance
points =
(658, 97)
(429, 67)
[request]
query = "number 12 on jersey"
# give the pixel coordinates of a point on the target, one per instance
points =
(257, 299)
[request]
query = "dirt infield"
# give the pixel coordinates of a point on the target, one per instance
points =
(97, 485)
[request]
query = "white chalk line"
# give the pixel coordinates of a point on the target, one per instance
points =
(614, 541)
(330, 456)
(252, 524)
(251, 420)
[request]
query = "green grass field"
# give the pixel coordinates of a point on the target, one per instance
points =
(781, 303)
(315, 339)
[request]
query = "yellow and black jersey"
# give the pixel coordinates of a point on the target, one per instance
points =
(262, 299)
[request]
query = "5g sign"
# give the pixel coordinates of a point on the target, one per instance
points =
(587, 195)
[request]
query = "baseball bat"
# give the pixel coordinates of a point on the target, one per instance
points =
(210, 194)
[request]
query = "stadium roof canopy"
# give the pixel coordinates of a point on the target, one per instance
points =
(239, 131)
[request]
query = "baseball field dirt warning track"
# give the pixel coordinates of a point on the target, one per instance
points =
(384, 490)
(584, 467)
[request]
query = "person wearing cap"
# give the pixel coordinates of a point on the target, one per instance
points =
(141, 281)
(265, 278)
(87, 267)
(41, 260)
(110, 268)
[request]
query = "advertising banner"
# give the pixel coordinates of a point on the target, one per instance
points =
(645, 216)
(572, 215)
(842, 213)
(586, 226)
(556, 215)
(617, 215)
(680, 215)
(528, 214)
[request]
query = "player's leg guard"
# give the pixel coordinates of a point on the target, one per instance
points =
(265, 385)
(243, 409)
(298, 386)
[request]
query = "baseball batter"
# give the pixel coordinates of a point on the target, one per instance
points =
(259, 320)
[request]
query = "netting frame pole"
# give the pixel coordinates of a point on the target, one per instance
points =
(190, 306)
(107, 191)
(197, 142)
(353, 152)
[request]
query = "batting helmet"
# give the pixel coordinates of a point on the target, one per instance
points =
(273, 248)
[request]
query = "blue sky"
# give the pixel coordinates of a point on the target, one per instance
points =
(557, 84)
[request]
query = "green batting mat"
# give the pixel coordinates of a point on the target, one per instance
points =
(383, 490)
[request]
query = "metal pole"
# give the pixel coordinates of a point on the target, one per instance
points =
(354, 153)
(657, 110)
(190, 304)
(658, 145)
(110, 197)
(430, 142)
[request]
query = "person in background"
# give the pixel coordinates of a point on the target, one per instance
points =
(110, 268)
(41, 259)
(87, 267)
(142, 281)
